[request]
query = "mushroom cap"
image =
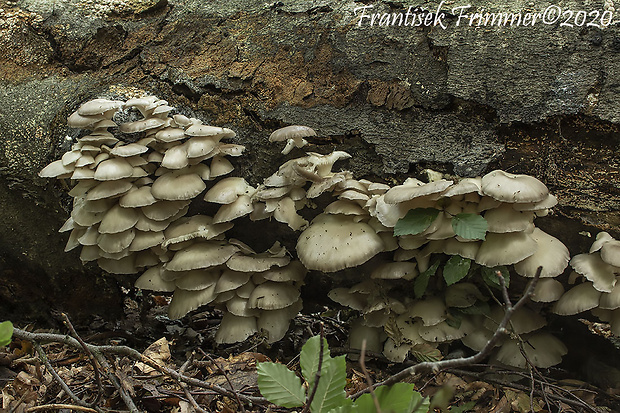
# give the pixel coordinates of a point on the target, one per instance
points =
(442, 332)
(596, 270)
(228, 190)
(231, 280)
(197, 226)
(201, 255)
(220, 166)
(146, 239)
(184, 301)
(108, 189)
(286, 213)
(137, 197)
(549, 202)
(507, 219)
(432, 311)
(335, 242)
(112, 169)
(601, 239)
(118, 219)
(547, 290)
(610, 253)
(511, 188)
(462, 295)
(141, 125)
(198, 280)
(294, 272)
(255, 263)
(276, 322)
(99, 107)
(505, 249)
(291, 132)
(56, 169)
(170, 134)
(234, 329)
(175, 157)
(463, 186)
(176, 186)
(522, 321)
(452, 246)
(238, 208)
(124, 265)
(207, 130)
(551, 254)
(578, 299)
(273, 295)
(343, 296)
(395, 270)
(151, 280)
(541, 349)
(128, 150)
(414, 189)
(163, 210)
(611, 301)
(114, 243)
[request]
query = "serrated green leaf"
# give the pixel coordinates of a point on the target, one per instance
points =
(6, 333)
(398, 398)
(421, 281)
(416, 221)
(309, 358)
(279, 385)
(330, 390)
(456, 269)
(489, 276)
(470, 226)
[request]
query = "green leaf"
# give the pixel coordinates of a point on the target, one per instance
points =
(6, 332)
(479, 307)
(456, 269)
(416, 221)
(398, 398)
(489, 276)
(470, 226)
(421, 282)
(309, 358)
(279, 385)
(330, 390)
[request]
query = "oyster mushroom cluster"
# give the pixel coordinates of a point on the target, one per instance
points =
(129, 190)
(599, 289)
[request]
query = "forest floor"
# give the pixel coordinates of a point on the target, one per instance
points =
(121, 382)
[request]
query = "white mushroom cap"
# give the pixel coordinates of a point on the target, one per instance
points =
(395, 353)
(176, 157)
(198, 279)
(220, 166)
(108, 189)
(335, 242)
(551, 254)
(511, 188)
(542, 350)
(522, 321)
(235, 329)
(291, 132)
(464, 186)
(415, 189)
(231, 280)
(151, 280)
(453, 246)
(184, 301)
(175, 186)
(170, 134)
(272, 296)
(549, 202)
(507, 219)
(547, 290)
(137, 197)
(442, 332)
(99, 107)
(276, 322)
(578, 299)
(141, 125)
(285, 212)
(601, 239)
(505, 249)
(610, 253)
(146, 239)
(112, 169)
(114, 243)
(197, 226)
(240, 207)
(596, 270)
(462, 295)
(118, 219)
(128, 150)
(56, 169)
(477, 338)
(162, 210)
(228, 190)
(395, 270)
(359, 332)
(124, 265)
(432, 311)
(206, 130)
(201, 255)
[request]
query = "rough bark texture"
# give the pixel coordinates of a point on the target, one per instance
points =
(542, 100)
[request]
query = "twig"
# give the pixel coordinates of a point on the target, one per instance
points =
(466, 361)
(368, 379)
(114, 380)
(91, 358)
(135, 355)
(185, 389)
(542, 393)
(317, 377)
(232, 388)
(59, 407)
(59, 379)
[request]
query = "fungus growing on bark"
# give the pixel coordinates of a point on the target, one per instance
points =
(293, 135)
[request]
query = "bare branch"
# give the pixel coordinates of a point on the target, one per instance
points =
(368, 379)
(59, 407)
